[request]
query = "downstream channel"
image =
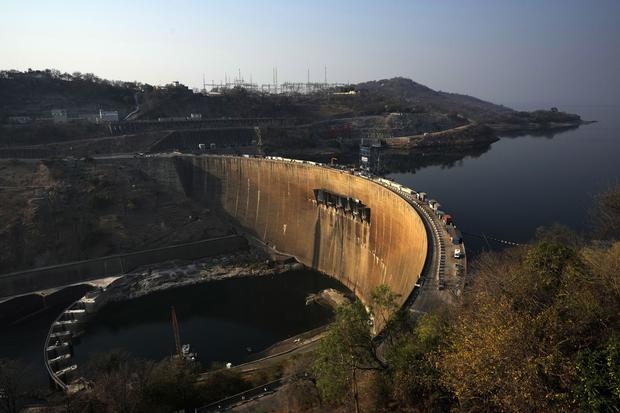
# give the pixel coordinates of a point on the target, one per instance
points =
(220, 319)
(224, 321)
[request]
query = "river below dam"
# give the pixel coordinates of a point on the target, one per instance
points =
(224, 321)
(503, 191)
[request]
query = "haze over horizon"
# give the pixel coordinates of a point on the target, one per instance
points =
(555, 52)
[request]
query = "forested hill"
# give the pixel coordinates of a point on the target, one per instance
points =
(410, 93)
(38, 91)
(33, 93)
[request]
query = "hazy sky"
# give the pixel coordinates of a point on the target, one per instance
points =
(555, 51)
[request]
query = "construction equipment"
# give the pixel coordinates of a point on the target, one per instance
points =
(183, 352)
(177, 334)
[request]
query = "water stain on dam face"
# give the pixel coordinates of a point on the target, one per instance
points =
(274, 201)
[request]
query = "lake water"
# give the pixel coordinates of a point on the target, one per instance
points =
(520, 183)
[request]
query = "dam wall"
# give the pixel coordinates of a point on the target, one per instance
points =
(276, 201)
(346, 226)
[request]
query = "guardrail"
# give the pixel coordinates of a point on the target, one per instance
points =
(439, 247)
(439, 250)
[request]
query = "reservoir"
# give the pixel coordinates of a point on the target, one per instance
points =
(509, 189)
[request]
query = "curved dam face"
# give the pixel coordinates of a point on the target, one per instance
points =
(346, 226)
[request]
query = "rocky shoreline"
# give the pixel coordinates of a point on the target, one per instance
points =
(173, 274)
(517, 129)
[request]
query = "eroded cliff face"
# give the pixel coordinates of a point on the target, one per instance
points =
(57, 211)
(275, 201)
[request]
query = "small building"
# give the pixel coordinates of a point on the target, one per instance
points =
(348, 93)
(107, 116)
(370, 157)
(59, 115)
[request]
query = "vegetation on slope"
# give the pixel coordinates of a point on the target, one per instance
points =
(57, 211)
(411, 94)
(538, 330)
(422, 109)
(37, 91)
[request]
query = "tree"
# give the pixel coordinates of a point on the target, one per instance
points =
(414, 377)
(384, 309)
(346, 348)
(171, 385)
(349, 348)
(605, 215)
(220, 384)
(599, 378)
(535, 331)
(118, 383)
(12, 387)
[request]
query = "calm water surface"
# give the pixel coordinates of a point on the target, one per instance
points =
(219, 319)
(521, 183)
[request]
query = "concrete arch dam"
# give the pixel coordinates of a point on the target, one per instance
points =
(346, 226)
